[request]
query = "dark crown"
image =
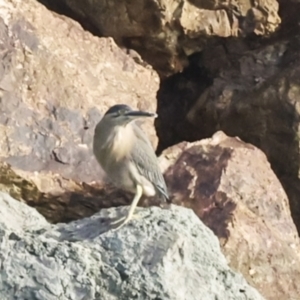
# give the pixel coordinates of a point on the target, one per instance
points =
(117, 108)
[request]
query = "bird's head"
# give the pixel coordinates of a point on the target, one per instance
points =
(121, 114)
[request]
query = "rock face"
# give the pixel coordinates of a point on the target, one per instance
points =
(231, 187)
(246, 89)
(55, 84)
(166, 32)
(56, 80)
(54, 87)
(168, 254)
(262, 109)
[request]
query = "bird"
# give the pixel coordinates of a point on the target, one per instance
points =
(126, 155)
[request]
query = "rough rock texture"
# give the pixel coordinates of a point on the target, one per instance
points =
(229, 184)
(247, 89)
(56, 80)
(77, 200)
(168, 254)
(166, 32)
(54, 87)
(239, 90)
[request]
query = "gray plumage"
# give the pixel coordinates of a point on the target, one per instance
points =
(147, 163)
(127, 156)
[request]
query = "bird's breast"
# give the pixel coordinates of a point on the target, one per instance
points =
(121, 143)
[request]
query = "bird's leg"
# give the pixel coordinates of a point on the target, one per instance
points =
(121, 222)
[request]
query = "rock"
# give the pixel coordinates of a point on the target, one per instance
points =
(261, 108)
(54, 87)
(77, 200)
(18, 217)
(225, 82)
(230, 186)
(165, 32)
(247, 90)
(166, 254)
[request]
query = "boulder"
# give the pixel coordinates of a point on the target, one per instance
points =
(165, 32)
(231, 187)
(56, 81)
(246, 89)
(262, 108)
(165, 254)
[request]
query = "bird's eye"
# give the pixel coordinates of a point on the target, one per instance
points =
(115, 115)
(122, 112)
(118, 113)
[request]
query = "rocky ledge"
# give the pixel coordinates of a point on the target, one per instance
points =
(164, 254)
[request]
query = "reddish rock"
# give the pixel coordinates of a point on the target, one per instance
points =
(248, 89)
(229, 184)
(56, 81)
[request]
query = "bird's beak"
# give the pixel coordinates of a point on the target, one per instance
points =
(134, 114)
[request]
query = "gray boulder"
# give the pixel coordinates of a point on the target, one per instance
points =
(165, 254)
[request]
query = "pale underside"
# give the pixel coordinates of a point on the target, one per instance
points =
(129, 159)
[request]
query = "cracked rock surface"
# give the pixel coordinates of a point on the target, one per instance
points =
(166, 254)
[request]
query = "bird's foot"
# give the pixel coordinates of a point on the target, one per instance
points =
(120, 222)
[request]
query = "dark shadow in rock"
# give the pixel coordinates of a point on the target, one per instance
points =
(175, 97)
(62, 8)
(92, 227)
(289, 14)
(88, 231)
(263, 115)
(79, 200)
(74, 205)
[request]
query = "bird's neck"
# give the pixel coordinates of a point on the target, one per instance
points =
(120, 141)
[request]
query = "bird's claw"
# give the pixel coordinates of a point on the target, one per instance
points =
(116, 224)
